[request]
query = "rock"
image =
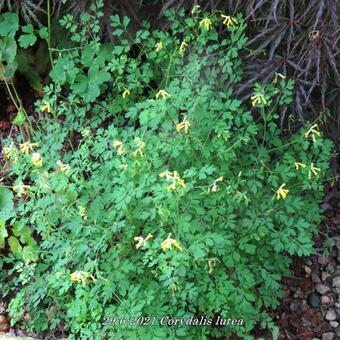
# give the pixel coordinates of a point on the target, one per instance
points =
(330, 315)
(325, 206)
(294, 305)
(315, 277)
(328, 336)
(321, 288)
(325, 300)
(334, 324)
(323, 260)
(308, 270)
(3, 323)
(313, 300)
(336, 282)
(325, 276)
(337, 331)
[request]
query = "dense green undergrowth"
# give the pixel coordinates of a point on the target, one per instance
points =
(149, 190)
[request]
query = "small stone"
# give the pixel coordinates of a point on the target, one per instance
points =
(307, 270)
(315, 277)
(325, 300)
(321, 288)
(3, 323)
(330, 315)
(294, 305)
(325, 206)
(313, 300)
(334, 324)
(328, 336)
(325, 276)
(337, 331)
(323, 260)
(336, 282)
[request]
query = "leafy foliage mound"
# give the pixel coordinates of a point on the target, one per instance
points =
(152, 191)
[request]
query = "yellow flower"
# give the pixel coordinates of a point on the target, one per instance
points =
(170, 243)
(82, 212)
(182, 47)
(184, 125)
(46, 107)
(118, 145)
(282, 193)
(27, 147)
(142, 241)
(126, 93)
(158, 46)
(163, 94)
(278, 75)
(195, 9)
(63, 167)
(9, 151)
(21, 189)
(174, 177)
(82, 277)
(313, 170)
(299, 165)
(313, 130)
(258, 98)
(86, 133)
(140, 147)
(206, 23)
(37, 159)
(228, 20)
(214, 185)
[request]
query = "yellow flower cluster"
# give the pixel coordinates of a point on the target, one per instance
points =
(299, 165)
(82, 212)
(159, 46)
(282, 193)
(228, 20)
(118, 145)
(46, 107)
(126, 93)
(214, 185)
(10, 151)
(169, 244)
(142, 241)
(82, 277)
(182, 47)
(27, 147)
(37, 160)
(206, 23)
(21, 189)
(313, 131)
(258, 98)
(313, 170)
(140, 147)
(163, 94)
(184, 125)
(174, 177)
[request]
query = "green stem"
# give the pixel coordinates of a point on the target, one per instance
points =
(49, 30)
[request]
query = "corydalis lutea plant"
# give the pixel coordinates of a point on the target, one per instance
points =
(172, 198)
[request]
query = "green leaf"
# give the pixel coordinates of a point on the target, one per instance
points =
(14, 245)
(27, 40)
(43, 33)
(19, 119)
(3, 233)
(8, 49)
(6, 199)
(9, 24)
